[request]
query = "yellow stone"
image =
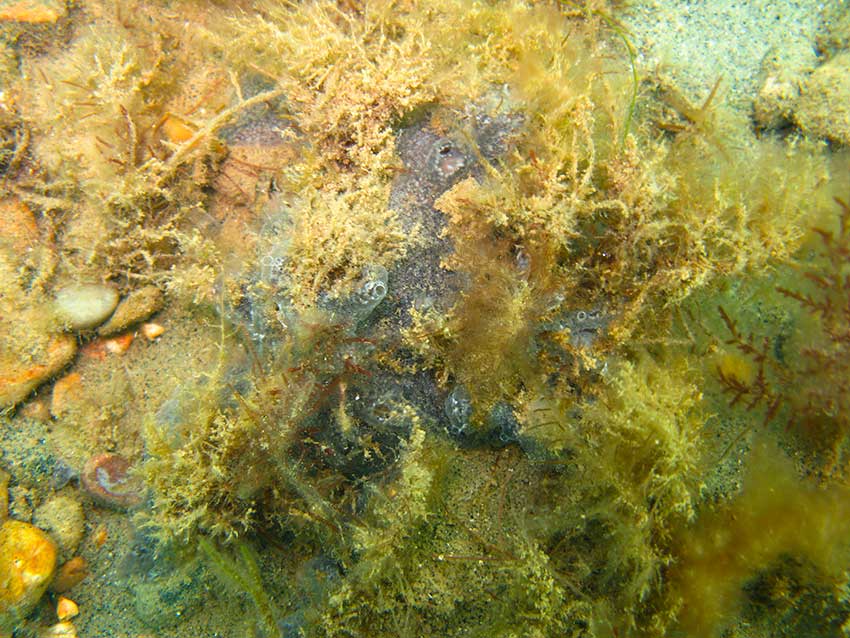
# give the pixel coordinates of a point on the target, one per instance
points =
(27, 564)
(66, 608)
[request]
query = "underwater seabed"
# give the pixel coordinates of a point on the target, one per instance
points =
(446, 318)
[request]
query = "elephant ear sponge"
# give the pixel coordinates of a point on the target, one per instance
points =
(27, 564)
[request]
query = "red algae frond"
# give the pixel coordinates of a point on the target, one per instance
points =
(809, 389)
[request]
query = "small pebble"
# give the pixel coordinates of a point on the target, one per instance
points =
(119, 345)
(99, 349)
(85, 306)
(64, 629)
(70, 575)
(152, 331)
(133, 309)
(66, 608)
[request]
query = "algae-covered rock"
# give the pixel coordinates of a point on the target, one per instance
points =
(27, 564)
(778, 93)
(166, 600)
(135, 308)
(63, 518)
(824, 105)
(835, 35)
(19, 377)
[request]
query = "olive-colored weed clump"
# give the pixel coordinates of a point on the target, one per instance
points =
(613, 199)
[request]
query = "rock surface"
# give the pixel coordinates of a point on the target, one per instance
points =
(823, 108)
(778, 93)
(135, 308)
